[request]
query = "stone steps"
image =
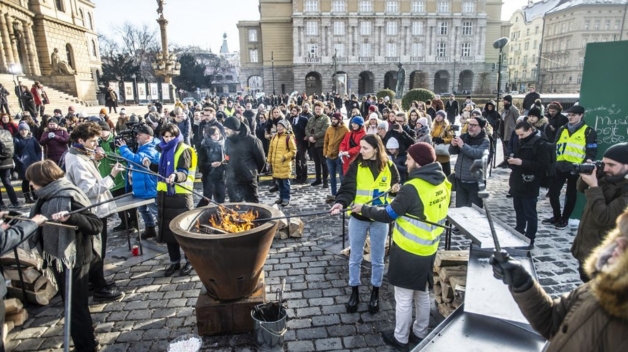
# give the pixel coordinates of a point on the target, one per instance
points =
(58, 99)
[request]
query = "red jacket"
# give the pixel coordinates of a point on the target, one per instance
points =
(345, 146)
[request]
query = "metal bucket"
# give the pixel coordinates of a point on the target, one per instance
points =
(269, 327)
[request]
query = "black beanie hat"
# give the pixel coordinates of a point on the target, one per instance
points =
(232, 123)
(481, 121)
(618, 152)
(508, 98)
(535, 112)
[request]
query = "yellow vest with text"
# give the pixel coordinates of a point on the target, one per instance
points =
(368, 188)
(572, 148)
(415, 236)
(189, 181)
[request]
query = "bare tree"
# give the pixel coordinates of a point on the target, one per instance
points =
(484, 83)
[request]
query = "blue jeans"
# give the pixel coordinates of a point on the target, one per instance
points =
(335, 167)
(357, 237)
(284, 188)
(149, 213)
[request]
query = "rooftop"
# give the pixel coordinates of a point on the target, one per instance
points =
(539, 9)
(575, 3)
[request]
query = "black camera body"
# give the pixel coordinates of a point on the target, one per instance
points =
(454, 128)
(128, 136)
(587, 168)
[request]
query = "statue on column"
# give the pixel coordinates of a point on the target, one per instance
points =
(160, 7)
(59, 66)
(401, 80)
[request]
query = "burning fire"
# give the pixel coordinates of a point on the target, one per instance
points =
(232, 221)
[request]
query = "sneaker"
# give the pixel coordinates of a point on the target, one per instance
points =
(15, 206)
(550, 221)
(279, 201)
(316, 183)
(149, 232)
(389, 339)
(508, 195)
(325, 184)
(273, 189)
(413, 339)
(331, 198)
(561, 224)
(285, 203)
(107, 294)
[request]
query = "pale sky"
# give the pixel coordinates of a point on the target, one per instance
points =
(199, 22)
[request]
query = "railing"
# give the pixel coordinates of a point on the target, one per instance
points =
(312, 60)
(417, 58)
(365, 59)
(442, 59)
(467, 58)
(392, 58)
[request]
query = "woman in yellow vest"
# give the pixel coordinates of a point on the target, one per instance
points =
(425, 196)
(369, 175)
(178, 165)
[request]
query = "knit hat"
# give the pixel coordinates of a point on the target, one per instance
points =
(422, 153)
(153, 109)
(103, 111)
(476, 112)
(535, 112)
(392, 143)
(146, 129)
(422, 121)
(508, 98)
(93, 119)
(555, 106)
(104, 126)
(337, 116)
(372, 108)
(481, 121)
(442, 113)
(383, 125)
(358, 120)
(373, 116)
(284, 123)
(53, 120)
(57, 111)
(232, 123)
(618, 152)
(122, 111)
(23, 126)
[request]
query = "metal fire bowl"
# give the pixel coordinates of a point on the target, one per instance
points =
(228, 265)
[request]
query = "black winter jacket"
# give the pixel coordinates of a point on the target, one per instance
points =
(209, 152)
(245, 156)
(525, 179)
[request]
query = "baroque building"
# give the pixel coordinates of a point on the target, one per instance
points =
(52, 41)
(444, 45)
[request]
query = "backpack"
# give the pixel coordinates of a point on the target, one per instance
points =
(550, 172)
(7, 148)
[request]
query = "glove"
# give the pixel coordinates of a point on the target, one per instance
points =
(510, 271)
(51, 135)
(438, 140)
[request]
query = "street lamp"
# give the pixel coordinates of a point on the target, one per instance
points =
(272, 62)
(499, 44)
(134, 88)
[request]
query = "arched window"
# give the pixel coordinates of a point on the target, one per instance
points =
(90, 20)
(94, 52)
(82, 15)
(59, 5)
(69, 55)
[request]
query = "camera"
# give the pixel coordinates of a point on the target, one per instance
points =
(455, 128)
(587, 168)
(128, 136)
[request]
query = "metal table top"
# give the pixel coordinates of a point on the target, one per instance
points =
(129, 202)
(473, 223)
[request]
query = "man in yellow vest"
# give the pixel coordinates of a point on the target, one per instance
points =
(575, 143)
(425, 196)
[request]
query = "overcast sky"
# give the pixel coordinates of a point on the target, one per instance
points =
(198, 22)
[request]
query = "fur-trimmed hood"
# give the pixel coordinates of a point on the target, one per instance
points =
(541, 123)
(610, 282)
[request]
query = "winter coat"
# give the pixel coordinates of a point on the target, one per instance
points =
(186, 130)
(405, 269)
(28, 103)
(298, 128)
(590, 145)
(525, 179)
(509, 119)
(245, 156)
(106, 165)
(491, 116)
(529, 99)
(144, 185)
(603, 205)
(209, 152)
(4, 93)
(111, 99)
(7, 150)
(351, 143)
(554, 123)
(474, 148)
(442, 133)
(405, 138)
(452, 108)
(333, 138)
(27, 152)
(36, 96)
(316, 127)
(280, 154)
(423, 135)
(55, 147)
(400, 163)
(594, 316)
(11, 126)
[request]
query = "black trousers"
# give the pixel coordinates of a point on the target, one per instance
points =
(467, 194)
(97, 268)
(320, 164)
(556, 185)
(114, 109)
(81, 328)
(5, 108)
(1, 325)
(213, 188)
(174, 252)
(301, 164)
(526, 215)
(243, 192)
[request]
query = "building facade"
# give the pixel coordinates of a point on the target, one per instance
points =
(444, 45)
(569, 27)
(53, 41)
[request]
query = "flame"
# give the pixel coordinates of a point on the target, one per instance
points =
(232, 221)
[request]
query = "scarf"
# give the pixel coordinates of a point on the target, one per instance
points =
(575, 127)
(420, 132)
(166, 163)
(57, 245)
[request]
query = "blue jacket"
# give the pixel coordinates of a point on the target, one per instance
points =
(144, 185)
(186, 130)
(27, 152)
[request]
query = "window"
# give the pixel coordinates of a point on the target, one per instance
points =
(418, 6)
(524, 74)
(527, 31)
(442, 28)
(312, 50)
(82, 15)
(392, 6)
(534, 45)
(417, 28)
(533, 58)
(365, 50)
(468, 7)
(391, 28)
(339, 6)
(252, 35)
(391, 49)
(339, 49)
(443, 6)
(253, 57)
(526, 46)
(94, 52)
(525, 59)
(366, 6)
(90, 20)
(467, 28)
(441, 49)
(311, 5)
(596, 25)
(563, 27)
(587, 23)
(617, 24)
(417, 49)
(311, 28)
(579, 79)
(607, 25)
(536, 30)
(584, 42)
(466, 50)
(59, 5)
(581, 62)
(365, 28)
(339, 28)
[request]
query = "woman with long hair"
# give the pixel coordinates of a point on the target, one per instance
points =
(178, 166)
(64, 248)
(370, 175)
(413, 117)
(442, 133)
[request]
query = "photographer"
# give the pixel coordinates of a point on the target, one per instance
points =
(607, 197)
(401, 132)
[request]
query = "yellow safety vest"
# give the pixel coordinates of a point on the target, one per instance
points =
(415, 236)
(368, 188)
(189, 181)
(572, 148)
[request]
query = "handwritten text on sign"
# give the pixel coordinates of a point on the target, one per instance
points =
(610, 124)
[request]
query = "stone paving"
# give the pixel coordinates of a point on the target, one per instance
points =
(157, 309)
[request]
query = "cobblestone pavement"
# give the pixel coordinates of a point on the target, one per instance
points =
(157, 309)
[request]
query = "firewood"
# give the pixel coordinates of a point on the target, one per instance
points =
(445, 309)
(448, 271)
(457, 281)
(29, 274)
(12, 306)
(25, 259)
(437, 279)
(457, 302)
(447, 293)
(36, 286)
(346, 251)
(41, 297)
(6, 329)
(18, 318)
(438, 290)
(296, 227)
(451, 258)
(439, 299)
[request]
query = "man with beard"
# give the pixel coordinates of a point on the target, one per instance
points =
(315, 134)
(469, 146)
(245, 156)
(509, 120)
(606, 198)
(249, 114)
(299, 123)
(555, 120)
(333, 136)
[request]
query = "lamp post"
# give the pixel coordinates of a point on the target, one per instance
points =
(499, 44)
(166, 64)
(134, 87)
(272, 62)
(16, 69)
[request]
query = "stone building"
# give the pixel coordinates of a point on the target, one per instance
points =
(569, 27)
(444, 45)
(31, 30)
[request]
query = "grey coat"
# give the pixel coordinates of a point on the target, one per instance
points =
(473, 148)
(509, 118)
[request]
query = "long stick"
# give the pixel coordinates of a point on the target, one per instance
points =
(97, 204)
(67, 310)
(45, 223)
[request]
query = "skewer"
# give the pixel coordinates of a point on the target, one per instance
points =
(96, 204)
(50, 223)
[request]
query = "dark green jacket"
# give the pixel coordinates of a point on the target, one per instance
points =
(106, 164)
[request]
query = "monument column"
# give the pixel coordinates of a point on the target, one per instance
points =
(16, 55)
(30, 48)
(6, 41)
(163, 23)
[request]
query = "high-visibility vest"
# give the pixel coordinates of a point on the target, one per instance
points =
(415, 236)
(189, 181)
(572, 148)
(368, 188)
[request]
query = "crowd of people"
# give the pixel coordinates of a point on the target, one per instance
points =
(391, 168)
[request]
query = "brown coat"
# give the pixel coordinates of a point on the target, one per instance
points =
(442, 130)
(333, 137)
(593, 317)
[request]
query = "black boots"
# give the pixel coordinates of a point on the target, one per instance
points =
(28, 199)
(149, 232)
(352, 305)
(374, 302)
